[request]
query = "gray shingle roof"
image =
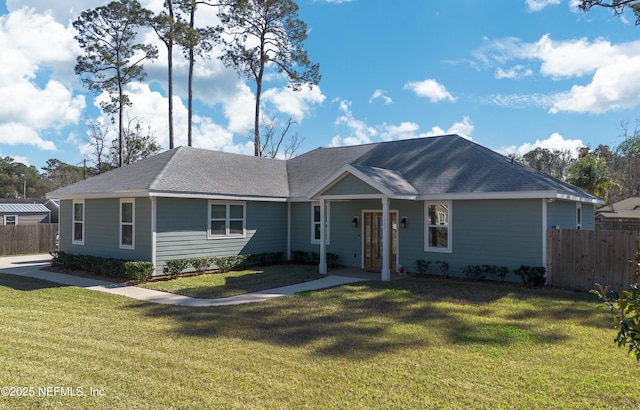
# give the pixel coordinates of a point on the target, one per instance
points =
(189, 171)
(423, 166)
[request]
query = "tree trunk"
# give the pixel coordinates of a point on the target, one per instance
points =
(191, 63)
(120, 124)
(170, 69)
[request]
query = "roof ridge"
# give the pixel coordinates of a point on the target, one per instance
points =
(165, 167)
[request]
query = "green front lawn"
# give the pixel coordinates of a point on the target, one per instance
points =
(222, 285)
(415, 343)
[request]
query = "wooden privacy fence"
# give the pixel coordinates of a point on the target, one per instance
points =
(27, 239)
(577, 259)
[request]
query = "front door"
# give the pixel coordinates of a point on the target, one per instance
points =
(372, 241)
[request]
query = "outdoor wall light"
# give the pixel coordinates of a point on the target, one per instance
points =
(403, 222)
(354, 222)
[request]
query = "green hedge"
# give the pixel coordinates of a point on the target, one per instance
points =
(110, 267)
(313, 258)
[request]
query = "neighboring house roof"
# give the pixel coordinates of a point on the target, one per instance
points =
(446, 167)
(628, 204)
(6, 208)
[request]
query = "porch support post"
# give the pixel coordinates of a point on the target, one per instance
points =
(322, 268)
(386, 272)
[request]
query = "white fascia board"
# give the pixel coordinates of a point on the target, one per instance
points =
(101, 195)
(507, 195)
(217, 196)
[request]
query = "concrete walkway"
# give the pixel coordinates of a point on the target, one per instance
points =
(31, 266)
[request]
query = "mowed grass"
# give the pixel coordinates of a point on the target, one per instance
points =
(221, 285)
(415, 343)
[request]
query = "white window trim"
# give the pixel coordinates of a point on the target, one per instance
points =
(73, 221)
(227, 234)
(327, 239)
(131, 201)
(449, 247)
(15, 219)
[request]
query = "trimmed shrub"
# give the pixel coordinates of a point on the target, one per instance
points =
(531, 275)
(140, 271)
(96, 265)
(200, 265)
(313, 258)
(175, 267)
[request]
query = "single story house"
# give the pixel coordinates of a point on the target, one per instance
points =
(621, 215)
(21, 213)
(377, 206)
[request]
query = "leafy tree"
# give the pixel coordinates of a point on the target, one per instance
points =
(18, 180)
(618, 6)
(262, 34)
(138, 143)
(62, 174)
(590, 173)
(626, 308)
(629, 149)
(113, 58)
(553, 162)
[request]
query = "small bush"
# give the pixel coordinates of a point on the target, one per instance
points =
(140, 271)
(475, 272)
(422, 266)
(531, 275)
(200, 265)
(313, 258)
(497, 272)
(175, 267)
(444, 268)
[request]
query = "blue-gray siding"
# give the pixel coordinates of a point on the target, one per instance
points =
(182, 231)
(495, 232)
(350, 185)
(102, 229)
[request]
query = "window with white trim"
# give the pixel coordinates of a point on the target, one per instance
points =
(315, 223)
(578, 215)
(438, 226)
(77, 234)
(226, 220)
(11, 219)
(127, 223)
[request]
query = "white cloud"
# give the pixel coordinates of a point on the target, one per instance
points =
(554, 142)
(359, 131)
(381, 94)
(613, 87)
(613, 68)
(431, 89)
(151, 108)
(294, 103)
(32, 43)
(576, 58)
(463, 128)
(12, 133)
(405, 130)
(515, 72)
(537, 5)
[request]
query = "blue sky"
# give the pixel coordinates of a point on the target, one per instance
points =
(510, 75)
